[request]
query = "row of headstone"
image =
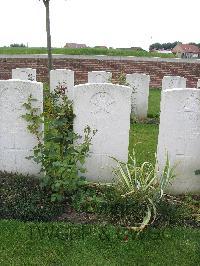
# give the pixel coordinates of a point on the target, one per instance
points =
(103, 107)
(64, 79)
(138, 82)
(106, 108)
(98, 77)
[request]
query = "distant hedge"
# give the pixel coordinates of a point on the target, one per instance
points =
(83, 51)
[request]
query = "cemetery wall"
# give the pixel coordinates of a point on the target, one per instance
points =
(81, 65)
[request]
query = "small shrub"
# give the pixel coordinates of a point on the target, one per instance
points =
(121, 79)
(144, 185)
(60, 153)
(88, 199)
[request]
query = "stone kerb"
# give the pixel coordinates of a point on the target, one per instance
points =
(99, 77)
(24, 74)
(179, 137)
(63, 79)
(140, 94)
(106, 108)
(16, 143)
(170, 82)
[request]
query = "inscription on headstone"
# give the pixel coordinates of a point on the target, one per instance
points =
(16, 143)
(105, 108)
(140, 94)
(179, 137)
(99, 77)
(24, 74)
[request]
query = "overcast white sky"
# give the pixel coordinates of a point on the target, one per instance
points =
(114, 23)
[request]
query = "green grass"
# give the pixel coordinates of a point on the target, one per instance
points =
(50, 244)
(82, 51)
(143, 137)
(154, 103)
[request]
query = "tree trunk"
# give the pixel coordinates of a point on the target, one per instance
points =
(48, 35)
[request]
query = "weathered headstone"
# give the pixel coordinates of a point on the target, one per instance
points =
(140, 94)
(179, 137)
(24, 74)
(198, 84)
(16, 142)
(170, 82)
(62, 79)
(105, 108)
(99, 77)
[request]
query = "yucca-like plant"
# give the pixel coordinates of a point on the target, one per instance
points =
(145, 184)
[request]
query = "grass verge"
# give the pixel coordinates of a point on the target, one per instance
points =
(82, 51)
(66, 244)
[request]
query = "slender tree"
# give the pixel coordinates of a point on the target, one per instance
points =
(46, 4)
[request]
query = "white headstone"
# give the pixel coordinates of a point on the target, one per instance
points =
(170, 82)
(99, 77)
(24, 74)
(140, 94)
(16, 142)
(62, 79)
(198, 84)
(179, 137)
(105, 108)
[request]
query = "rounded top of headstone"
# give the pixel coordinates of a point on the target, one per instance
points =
(99, 71)
(103, 87)
(21, 81)
(182, 90)
(62, 69)
(24, 68)
(104, 84)
(138, 75)
(171, 76)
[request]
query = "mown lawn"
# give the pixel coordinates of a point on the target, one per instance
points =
(154, 103)
(82, 51)
(144, 136)
(65, 244)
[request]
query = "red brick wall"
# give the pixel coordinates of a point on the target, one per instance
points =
(82, 64)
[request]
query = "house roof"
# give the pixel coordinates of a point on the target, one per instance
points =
(75, 45)
(186, 48)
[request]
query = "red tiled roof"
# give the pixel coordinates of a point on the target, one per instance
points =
(187, 48)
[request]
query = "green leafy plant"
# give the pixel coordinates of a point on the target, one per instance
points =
(121, 79)
(143, 184)
(60, 152)
(89, 198)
